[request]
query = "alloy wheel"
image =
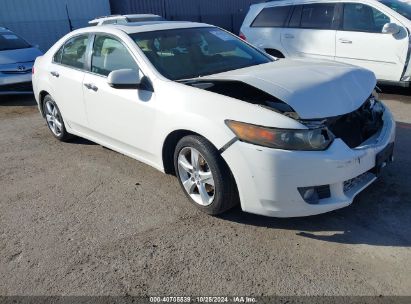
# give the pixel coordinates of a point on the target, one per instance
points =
(53, 118)
(196, 176)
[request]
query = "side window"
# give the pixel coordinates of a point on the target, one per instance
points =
(58, 55)
(74, 52)
(109, 55)
(295, 19)
(363, 18)
(272, 17)
(318, 16)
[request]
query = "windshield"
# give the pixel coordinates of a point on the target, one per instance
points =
(10, 41)
(401, 7)
(193, 52)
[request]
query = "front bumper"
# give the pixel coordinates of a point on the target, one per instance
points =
(15, 83)
(268, 179)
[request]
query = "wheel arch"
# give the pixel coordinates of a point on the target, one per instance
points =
(42, 95)
(169, 147)
(275, 52)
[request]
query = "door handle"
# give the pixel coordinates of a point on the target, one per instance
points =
(91, 86)
(342, 40)
(55, 74)
(289, 36)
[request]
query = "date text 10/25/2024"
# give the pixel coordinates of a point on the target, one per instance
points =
(239, 299)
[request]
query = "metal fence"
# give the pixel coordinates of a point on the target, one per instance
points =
(43, 22)
(228, 14)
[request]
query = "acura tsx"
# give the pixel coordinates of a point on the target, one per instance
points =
(283, 138)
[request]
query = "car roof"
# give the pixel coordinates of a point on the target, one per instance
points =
(149, 26)
(141, 15)
(282, 2)
(114, 17)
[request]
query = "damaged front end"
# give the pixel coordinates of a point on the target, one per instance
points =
(356, 127)
(245, 92)
(353, 128)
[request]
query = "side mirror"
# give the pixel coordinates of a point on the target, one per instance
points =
(124, 79)
(391, 28)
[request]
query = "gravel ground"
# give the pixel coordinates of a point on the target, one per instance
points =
(79, 219)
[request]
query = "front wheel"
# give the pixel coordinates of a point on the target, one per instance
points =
(54, 119)
(204, 175)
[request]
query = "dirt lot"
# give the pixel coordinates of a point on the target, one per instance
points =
(79, 219)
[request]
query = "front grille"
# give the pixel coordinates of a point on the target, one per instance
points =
(17, 87)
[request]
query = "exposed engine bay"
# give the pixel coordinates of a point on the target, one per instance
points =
(243, 91)
(356, 127)
(353, 128)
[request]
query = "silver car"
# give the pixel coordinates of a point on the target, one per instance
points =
(16, 62)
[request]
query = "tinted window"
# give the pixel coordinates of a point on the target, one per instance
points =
(74, 52)
(296, 16)
(10, 41)
(194, 52)
(363, 18)
(272, 17)
(109, 55)
(401, 7)
(58, 55)
(318, 16)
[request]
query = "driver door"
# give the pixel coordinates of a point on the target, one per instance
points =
(119, 118)
(360, 41)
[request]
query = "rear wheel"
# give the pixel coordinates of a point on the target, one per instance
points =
(54, 119)
(204, 175)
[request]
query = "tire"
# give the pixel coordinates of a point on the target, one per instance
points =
(212, 175)
(54, 119)
(274, 53)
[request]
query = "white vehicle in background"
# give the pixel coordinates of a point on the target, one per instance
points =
(16, 62)
(371, 34)
(124, 19)
(282, 137)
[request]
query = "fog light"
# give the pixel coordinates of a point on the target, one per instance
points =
(309, 194)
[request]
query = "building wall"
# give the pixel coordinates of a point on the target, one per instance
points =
(43, 22)
(228, 14)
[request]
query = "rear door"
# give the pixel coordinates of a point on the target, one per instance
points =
(311, 31)
(360, 41)
(66, 74)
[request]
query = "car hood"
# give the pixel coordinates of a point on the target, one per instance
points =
(19, 55)
(314, 89)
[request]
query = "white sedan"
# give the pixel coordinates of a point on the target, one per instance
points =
(283, 138)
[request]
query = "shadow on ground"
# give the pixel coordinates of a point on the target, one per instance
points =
(381, 215)
(17, 100)
(391, 89)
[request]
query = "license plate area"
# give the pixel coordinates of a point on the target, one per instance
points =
(383, 158)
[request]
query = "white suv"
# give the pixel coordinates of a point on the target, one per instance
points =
(371, 34)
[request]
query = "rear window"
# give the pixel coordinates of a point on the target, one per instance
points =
(10, 41)
(318, 16)
(272, 17)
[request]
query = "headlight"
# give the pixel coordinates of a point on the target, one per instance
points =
(286, 139)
